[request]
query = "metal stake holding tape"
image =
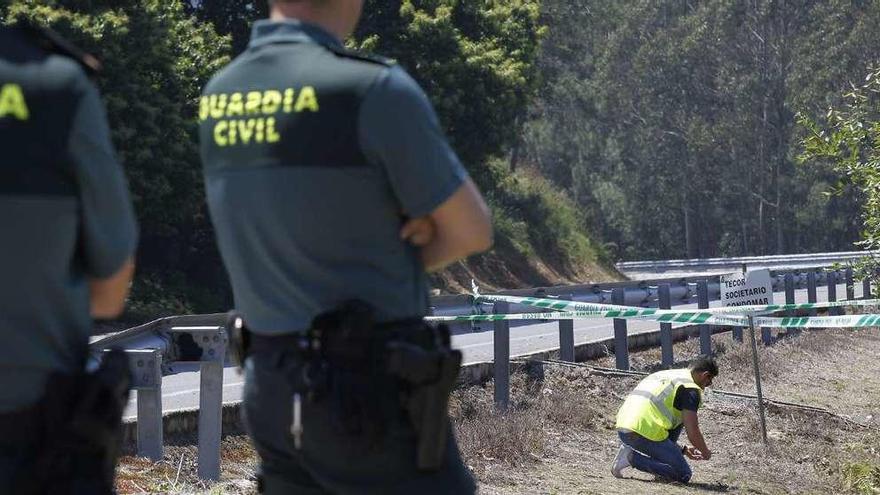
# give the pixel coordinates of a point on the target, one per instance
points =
(757, 378)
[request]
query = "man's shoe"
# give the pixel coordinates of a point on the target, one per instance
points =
(621, 460)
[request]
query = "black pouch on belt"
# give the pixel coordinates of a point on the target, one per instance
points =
(360, 390)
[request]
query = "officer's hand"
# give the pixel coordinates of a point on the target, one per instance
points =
(418, 231)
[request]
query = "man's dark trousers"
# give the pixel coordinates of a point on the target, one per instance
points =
(663, 458)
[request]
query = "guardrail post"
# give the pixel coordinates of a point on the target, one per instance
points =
(850, 287)
(766, 336)
(866, 288)
(832, 292)
(667, 357)
(210, 419)
(146, 367)
(705, 331)
(621, 349)
(566, 340)
(811, 289)
(737, 333)
(789, 292)
(205, 345)
(502, 357)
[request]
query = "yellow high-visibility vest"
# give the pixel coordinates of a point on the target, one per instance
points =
(649, 410)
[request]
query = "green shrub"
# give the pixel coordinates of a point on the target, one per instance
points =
(539, 220)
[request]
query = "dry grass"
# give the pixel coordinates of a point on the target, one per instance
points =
(177, 472)
(807, 452)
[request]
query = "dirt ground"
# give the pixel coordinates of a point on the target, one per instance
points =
(807, 452)
(558, 435)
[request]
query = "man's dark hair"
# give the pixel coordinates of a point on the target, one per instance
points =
(705, 363)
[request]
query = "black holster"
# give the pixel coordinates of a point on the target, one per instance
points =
(409, 355)
(430, 376)
(83, 430)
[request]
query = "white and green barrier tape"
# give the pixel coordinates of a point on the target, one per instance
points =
(723, 316)
(847, 321)
(617, 311)
(632, 313)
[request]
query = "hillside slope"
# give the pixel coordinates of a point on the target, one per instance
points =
(540, 239)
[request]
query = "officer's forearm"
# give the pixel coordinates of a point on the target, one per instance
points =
(107, 295)
(463, 227)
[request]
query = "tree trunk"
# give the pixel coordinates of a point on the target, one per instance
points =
(517, 140)
(690, 251)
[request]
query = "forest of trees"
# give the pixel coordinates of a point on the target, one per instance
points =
(598, 130)
(674, 123)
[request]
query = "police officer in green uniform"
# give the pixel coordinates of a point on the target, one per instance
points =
(66, 254)
(333, 190)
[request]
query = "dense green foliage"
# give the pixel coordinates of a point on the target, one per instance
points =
(230, 17)
(476, 60)
(849, 141)
(673, 123)
(156, 59)
(158, 54)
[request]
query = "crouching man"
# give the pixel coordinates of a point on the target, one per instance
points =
(651, 418)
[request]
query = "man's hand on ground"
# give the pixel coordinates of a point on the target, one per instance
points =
(698, 455)
(695, 454)
(692, 453)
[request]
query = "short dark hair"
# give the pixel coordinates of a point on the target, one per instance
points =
(705, 363)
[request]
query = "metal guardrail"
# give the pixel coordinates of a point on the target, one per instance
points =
(165, 347)
(783, 261)
(786, 281)
(641, 293)
(175, 344)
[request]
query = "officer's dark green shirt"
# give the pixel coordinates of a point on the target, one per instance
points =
(313, 158)
(64, 210)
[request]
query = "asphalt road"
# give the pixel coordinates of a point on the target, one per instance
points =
(181, 391)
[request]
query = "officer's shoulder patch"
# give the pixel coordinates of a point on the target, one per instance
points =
(365, 57)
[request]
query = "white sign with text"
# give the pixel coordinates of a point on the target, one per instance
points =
(746, 289)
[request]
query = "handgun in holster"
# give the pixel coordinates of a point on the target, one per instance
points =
(431, 375)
